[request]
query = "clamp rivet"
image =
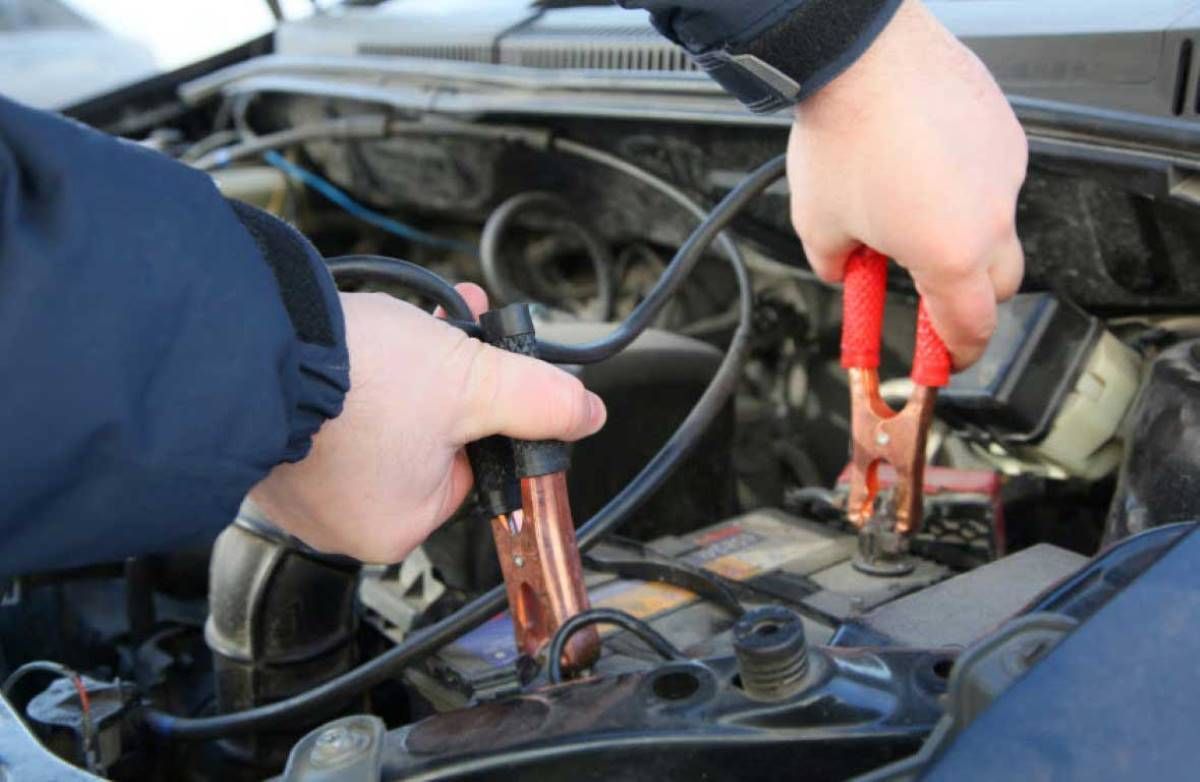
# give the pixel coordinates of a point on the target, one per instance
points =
(519, 560)
(882, 438)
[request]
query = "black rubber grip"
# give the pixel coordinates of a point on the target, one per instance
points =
(495, 477)
(511, 328)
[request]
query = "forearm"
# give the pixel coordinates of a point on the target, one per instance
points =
(158, 364)
(771, 53)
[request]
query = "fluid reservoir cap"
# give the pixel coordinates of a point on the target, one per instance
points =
(772, 652)
(346, 750)
(1032, 362)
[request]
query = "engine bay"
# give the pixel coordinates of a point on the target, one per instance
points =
(1061, 467)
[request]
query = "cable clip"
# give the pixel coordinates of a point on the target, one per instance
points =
(536, 545)
(879, 433)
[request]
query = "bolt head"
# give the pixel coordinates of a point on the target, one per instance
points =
(334, 737)
(337, 744)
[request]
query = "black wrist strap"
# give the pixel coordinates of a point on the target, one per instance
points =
(296, 265)
(799, 55)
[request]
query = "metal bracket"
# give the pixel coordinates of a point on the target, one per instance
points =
(980, 675)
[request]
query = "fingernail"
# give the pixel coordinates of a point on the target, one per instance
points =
(596, 412)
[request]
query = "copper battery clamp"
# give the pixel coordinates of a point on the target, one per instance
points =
(542, 572)
(877, 432)
(535, 539)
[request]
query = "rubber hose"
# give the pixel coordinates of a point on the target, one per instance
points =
(501, 219)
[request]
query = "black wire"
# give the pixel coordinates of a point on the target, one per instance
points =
(499, 221)
(672, 278)
(418, 279)
(375, 671)
(609, 616)
(719, 389)
(428, 640)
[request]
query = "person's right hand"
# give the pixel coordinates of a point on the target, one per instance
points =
(386, 472)
(914, 152)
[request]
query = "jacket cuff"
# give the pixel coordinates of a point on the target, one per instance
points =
(310, 297)
(771, 68)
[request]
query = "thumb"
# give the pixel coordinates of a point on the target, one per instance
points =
(525, 398)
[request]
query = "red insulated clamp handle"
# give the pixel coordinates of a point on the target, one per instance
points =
(931, 360)
(863, 292)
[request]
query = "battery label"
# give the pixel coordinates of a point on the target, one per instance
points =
(642, 599)
(748, 548)
(740, 541)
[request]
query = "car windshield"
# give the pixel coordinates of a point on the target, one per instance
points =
(54, 53)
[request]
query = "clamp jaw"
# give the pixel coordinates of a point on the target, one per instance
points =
(879, 433)
(523, 485)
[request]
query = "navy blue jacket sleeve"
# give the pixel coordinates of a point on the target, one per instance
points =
(771, 53)
(157, 362)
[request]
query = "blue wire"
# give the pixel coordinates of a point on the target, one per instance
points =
(367, 215)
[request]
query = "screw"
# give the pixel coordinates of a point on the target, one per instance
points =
(334, 742)
(519, 560)
(882, 438)
(338, 743)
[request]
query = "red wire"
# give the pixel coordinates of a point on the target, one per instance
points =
(85, 704)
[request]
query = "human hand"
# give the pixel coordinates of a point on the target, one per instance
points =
(386, 472)
(915, 152)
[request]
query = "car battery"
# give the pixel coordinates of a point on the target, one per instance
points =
(764, 557)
